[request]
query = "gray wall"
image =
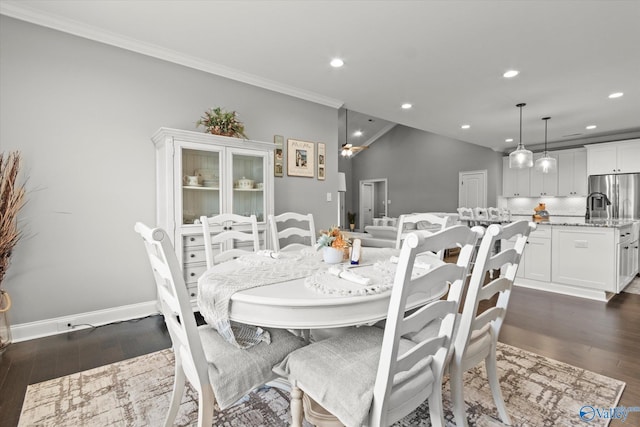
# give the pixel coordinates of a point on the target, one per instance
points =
(82, 113)
(422, 169)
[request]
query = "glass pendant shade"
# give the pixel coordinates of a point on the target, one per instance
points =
(521, 158)
(546, 163)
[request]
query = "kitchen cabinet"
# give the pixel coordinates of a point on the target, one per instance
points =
(535, 263)
(202, 174)
(585, 257)
(543, 184)
(572, 172)
(515, 182)
(613, 157)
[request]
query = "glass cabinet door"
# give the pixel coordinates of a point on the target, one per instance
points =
(200, 185)
(248, 177)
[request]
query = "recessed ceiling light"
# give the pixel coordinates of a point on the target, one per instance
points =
(508, 140)
(591, 127)
(511, 73)
(337, 62)
(357, 133)
(406, 106)
(616, 95)
(465, 126)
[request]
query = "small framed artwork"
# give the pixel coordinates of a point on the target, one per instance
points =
(321, 160)
(300, 158)
(278, 164)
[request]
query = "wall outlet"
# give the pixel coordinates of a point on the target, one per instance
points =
(66, 325)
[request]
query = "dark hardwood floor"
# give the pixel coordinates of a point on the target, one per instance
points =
(603, 338)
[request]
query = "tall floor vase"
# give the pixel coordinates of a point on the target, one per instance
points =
(5, 326)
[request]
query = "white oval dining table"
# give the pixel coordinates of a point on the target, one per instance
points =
(292, 305)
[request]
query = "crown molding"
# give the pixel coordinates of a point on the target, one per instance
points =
(92, 33)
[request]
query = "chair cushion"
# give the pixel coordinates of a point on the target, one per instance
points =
(234, 372)
(340, 372)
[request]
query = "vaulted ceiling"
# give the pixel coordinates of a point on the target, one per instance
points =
(446, 58)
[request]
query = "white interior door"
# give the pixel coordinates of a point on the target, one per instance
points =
(472, 189)
(366, 204)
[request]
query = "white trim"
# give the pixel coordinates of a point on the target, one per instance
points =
(93, 33)
(47, 327)
(574, 291)
(386, 198)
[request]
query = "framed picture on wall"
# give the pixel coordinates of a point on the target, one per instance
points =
(300, 158)
(278, 163)
(321, 160)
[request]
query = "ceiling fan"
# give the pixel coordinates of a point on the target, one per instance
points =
(347, 149)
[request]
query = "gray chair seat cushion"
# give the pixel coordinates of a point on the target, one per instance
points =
(234, 372)
(340, 372)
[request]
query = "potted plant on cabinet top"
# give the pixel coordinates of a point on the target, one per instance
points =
(351, 216)
(11, 201)
(219, 122)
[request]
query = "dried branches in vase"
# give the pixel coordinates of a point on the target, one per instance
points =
(12, 199)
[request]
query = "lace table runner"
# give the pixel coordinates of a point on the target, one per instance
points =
(215, 290)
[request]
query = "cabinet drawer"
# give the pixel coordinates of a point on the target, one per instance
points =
(193, 240)
(192, 290)
(193, 272)
(194, 254)
(541, 232)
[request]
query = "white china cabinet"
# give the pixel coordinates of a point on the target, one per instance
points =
(202, 174)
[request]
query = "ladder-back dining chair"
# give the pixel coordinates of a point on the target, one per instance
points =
(291, 224)
(374, 376)
(477, 335)
(218, 370)
(435, 223)
(224, 231)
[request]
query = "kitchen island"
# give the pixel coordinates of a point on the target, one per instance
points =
(593, 259)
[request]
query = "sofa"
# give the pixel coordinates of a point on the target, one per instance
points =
(384, 231)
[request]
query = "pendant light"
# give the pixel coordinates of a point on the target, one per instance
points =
(346, 150)
(546, 163)
(521, 158)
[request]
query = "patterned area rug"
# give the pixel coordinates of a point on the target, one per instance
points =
(633, 287)
(538, 392)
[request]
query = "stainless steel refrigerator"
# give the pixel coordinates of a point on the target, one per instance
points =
(621, 196)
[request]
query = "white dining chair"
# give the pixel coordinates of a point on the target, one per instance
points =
(289, 225)
(218, 370)
(421, 223)
(493, 214)
(374, 376)
(480, 215)
(465, 215)
(224, 232)
(477, 334)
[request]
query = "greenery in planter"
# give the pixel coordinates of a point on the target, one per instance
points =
(352, 217)
(220, 122)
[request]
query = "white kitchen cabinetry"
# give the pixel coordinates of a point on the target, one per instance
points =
(515, 182)
(219, 163)
(572, 172)
(544, 184)
(585, 257)
(535, 263)
(613, 157)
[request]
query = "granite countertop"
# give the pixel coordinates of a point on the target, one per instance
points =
(580, 221)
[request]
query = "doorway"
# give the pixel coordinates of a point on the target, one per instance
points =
(472, 189)
(374, 198)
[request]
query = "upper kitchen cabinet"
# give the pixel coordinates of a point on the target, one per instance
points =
(572, 172)
(543, 184)
(515, 182)
(613, 157)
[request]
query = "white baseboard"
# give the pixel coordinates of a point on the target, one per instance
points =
(59, 325)
(558, 288)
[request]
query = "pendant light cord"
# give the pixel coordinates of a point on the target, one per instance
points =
(520, 106)
(546, 122)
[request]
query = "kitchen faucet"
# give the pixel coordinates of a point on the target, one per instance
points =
(590, 196)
